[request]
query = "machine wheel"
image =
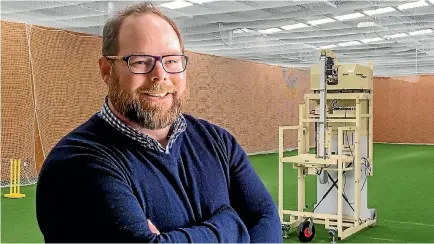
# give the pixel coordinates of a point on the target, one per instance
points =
(305, 234)
(332, 234)
(285, 230)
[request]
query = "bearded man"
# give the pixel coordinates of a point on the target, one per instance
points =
(142, 171)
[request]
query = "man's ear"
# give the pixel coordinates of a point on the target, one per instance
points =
(105, 68)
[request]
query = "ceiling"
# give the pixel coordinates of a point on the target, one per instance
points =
(398, 37)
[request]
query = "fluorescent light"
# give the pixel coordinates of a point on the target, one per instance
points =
(351, 43)
(201, 1)
(270, 31)
(310, 46)
(395, 36)
(421, 32)
(176, 4)
(322, 21)
(371, 40)
(432, 1)
(294, 26)
(349, 16)
(380, 11)
(417, 4)
(328, 46)
(249, 30)
(239, 31)
(366, 24)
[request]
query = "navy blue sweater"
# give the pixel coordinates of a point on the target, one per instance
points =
(98, 185)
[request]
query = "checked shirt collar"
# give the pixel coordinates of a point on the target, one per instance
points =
(146, 141)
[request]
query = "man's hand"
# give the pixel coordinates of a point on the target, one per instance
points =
(153, 228)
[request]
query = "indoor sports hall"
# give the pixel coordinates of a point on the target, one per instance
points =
(331, 100)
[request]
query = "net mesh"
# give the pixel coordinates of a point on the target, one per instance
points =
(48, 88)
(67, 83)
(17, 107)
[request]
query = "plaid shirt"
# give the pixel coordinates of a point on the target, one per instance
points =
(148, 142)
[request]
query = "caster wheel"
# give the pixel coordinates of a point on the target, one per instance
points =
(305, 234)
(285, 231)
(332, 234)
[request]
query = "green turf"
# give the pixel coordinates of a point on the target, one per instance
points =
(18, 218)
(401, 190)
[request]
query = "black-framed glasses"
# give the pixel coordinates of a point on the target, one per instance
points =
(143, 64)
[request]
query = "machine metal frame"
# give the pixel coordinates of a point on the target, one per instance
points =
(339, 225)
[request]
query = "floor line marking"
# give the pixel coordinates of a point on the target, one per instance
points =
(385, 239)
(408, 223)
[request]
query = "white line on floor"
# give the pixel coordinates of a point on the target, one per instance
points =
(408, 223)
(18, 211)
(385, 239)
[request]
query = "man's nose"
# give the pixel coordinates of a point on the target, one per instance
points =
(158, 73)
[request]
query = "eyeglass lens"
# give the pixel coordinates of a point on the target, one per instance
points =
(144, 64)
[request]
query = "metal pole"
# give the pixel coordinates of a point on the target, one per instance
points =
(322, 108)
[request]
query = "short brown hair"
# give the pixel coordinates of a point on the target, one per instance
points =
(110, 46)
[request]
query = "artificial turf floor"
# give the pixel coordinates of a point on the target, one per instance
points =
(402, 191)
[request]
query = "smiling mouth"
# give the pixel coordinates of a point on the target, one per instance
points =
(158, 95)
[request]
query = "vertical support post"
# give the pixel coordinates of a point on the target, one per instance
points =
(340, 141)
(302, 150)
(301, 138)
(301, 190)
(280, 198)
(322, 107)
(306, 109)
(357, 164)
(340, 198)
(371, 134)
(329, 138)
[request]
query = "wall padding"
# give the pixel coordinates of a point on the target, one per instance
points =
(404, 109)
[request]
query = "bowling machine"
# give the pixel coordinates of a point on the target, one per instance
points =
(339, 109)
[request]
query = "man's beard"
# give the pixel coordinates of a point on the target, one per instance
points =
(135, 107)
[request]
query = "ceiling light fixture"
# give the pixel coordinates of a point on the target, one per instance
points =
(421, 32)
(371, 40)
(270, 31)
(366, 24)
(328, 46)
(322, 21)
(351, 43)
(349, 16)
(417, 4)
(395, 36)
(379, 11)
(176, 4)
(294, 26)
(310, 46)
(201, 1)
(242, 30)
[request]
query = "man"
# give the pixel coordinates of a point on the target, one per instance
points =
(140, 170)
